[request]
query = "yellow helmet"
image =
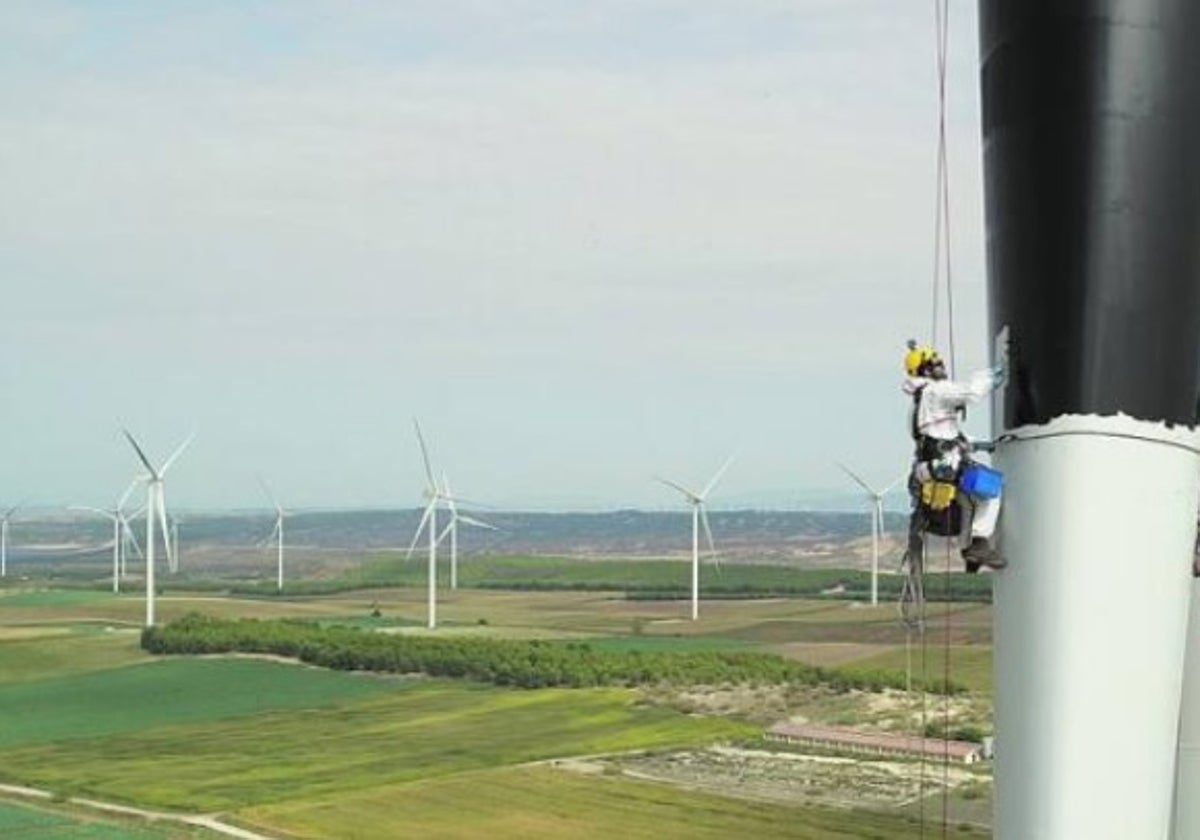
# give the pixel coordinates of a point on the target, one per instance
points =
(918, 357)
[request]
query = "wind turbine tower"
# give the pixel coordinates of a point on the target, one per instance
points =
(277, 533)
(1090, 114)
(452, 528)
(156, 507)
(699, 518)
(119, 525)
(4, 539)
(876, 499)
(429, 519)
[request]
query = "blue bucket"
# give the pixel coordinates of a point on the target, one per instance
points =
(982, 481)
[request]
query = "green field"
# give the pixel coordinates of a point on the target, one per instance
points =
(165, 693)
(48, 597)
(40, 653)
(970, 666)
(666, 643)
(432, 729)
(544, 802)
(27, 822)
(312, 753)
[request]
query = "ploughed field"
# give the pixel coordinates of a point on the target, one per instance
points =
(292, 750)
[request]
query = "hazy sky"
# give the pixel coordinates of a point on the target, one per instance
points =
(583, 242)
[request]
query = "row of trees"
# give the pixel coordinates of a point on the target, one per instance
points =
(523, 663)
(748, 582)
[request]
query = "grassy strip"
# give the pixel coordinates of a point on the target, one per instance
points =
(543, 802)
(44, 822)
(431, 729)
(60, 652)
(164, 693)
(524, 663)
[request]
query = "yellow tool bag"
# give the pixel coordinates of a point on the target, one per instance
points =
(938, 495)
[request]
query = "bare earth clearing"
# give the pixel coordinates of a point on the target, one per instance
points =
(792, 777)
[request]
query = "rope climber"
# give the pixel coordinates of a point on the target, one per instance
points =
(946, 484)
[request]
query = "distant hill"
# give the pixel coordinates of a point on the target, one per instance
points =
(822, 538)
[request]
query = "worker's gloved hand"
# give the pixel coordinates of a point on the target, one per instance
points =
(999, 376)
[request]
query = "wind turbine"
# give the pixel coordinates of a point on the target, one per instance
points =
(699, 517)
(452, 529)
(277, 532)
(429, 518)
(120, 531)
(876, 499)
(4, 539)
(155, 506)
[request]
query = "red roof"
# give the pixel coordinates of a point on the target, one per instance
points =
(875, 740)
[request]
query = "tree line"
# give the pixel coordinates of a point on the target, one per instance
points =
(505, 662)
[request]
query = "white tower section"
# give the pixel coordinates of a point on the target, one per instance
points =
(1090, 620)
(1187, 785)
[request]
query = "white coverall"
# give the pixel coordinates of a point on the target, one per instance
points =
(938, 417)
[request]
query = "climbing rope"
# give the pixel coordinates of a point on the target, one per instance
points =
(913, 610)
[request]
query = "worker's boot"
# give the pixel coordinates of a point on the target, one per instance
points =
(979, 554)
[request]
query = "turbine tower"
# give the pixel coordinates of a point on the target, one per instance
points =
(156, 506)
(876, 498)
(452, 528)
(699, 518)
(1091, 110)
(277, 533)
(428, 519)
(4, 539)
(119, 531)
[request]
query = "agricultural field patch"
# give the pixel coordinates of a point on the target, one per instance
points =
(432, 729)
(16, 634)
(59, 651)
(798, 777)
(666, 643)
(827, 654)
(969, 665)
(28, 822)
(136, 698)
(47, 597)
(548, 802)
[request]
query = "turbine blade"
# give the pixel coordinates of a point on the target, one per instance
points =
(857, 480)
(445, 531)
(425, 455)
(141, 455)
(712, 549)
(100, 511)
(164, 524)
(691, 496)
(179, 451)
(262, 482)
(131, 537)
(893, 485)
(125, 496)
(421, 527)
(447, 495)
(472, 521)
(712, 482)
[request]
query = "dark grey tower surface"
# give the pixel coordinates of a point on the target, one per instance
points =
(1091, 133)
